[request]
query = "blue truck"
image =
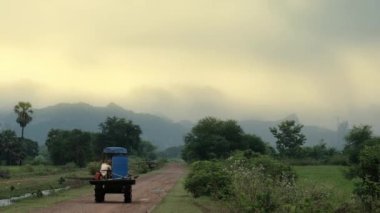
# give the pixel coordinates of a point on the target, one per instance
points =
(118, 180)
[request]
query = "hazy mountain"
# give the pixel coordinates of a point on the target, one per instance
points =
(162, 132)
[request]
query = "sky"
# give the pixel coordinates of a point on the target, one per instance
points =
(241, 59)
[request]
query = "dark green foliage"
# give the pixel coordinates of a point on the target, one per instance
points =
(146, 150)
(207, 178)
(356, 139)
(69, 146)
(30, 147)
(61, 180)
(369, 172)
(118, 132)
(212, 138)
(11, 148)
(319, 154)
(253, 143)
(289, 138)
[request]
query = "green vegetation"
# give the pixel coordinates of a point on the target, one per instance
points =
(178, 198)
(289, 138)
(329, 177)
(29, 179)
(86, 147)
(251, 182)
(79, 143)
(36, 203)
(212, 138)
(14, 150)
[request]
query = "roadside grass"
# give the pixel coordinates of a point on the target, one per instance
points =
(178, 200)
(35, 203)
(14, 187)
(329, 177)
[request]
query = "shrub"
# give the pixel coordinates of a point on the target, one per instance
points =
(69, 166)
(93, 167)
(208, 178)
(369, 171)
(39, 160)
(137, 165)
(261, 184)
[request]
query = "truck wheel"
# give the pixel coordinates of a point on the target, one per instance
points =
(128, 195)
(99, 194)
(99, 198)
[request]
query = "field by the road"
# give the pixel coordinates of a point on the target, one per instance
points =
(178, 198)
(33, 179)
(330, 178)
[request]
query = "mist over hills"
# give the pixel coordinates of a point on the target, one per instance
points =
(162, 132)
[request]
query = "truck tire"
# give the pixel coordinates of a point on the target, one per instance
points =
(128, 194)
(99, 194)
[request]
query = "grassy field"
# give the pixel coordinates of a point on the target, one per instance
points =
(30, 179)
(178, 200)
(329, 177)
(29, 204)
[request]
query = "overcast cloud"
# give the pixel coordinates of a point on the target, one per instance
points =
(186, 59)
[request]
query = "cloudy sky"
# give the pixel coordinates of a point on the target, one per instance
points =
(236, 59)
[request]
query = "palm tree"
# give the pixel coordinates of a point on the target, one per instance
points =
(23, 111)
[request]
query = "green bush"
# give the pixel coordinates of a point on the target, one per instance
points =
(208, 178)
(369, 171)
(39, 160)
(256, 184)
(260, 184)
(137, 165)
(93, 167)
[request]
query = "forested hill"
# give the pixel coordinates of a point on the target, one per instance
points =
(160, 131)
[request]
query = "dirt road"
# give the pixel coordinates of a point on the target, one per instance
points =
(148, 192)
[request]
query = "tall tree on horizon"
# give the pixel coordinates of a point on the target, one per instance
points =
(23, 111)
(289, 138)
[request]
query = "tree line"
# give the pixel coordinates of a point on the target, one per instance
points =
(65, 146)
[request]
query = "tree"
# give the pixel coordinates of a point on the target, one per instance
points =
(119, 132)
(11, 148)
(356, 140)
(147, 150)
(289, 138)
(69, 146)
(254, 143)
(212, 138)
(23, 111)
